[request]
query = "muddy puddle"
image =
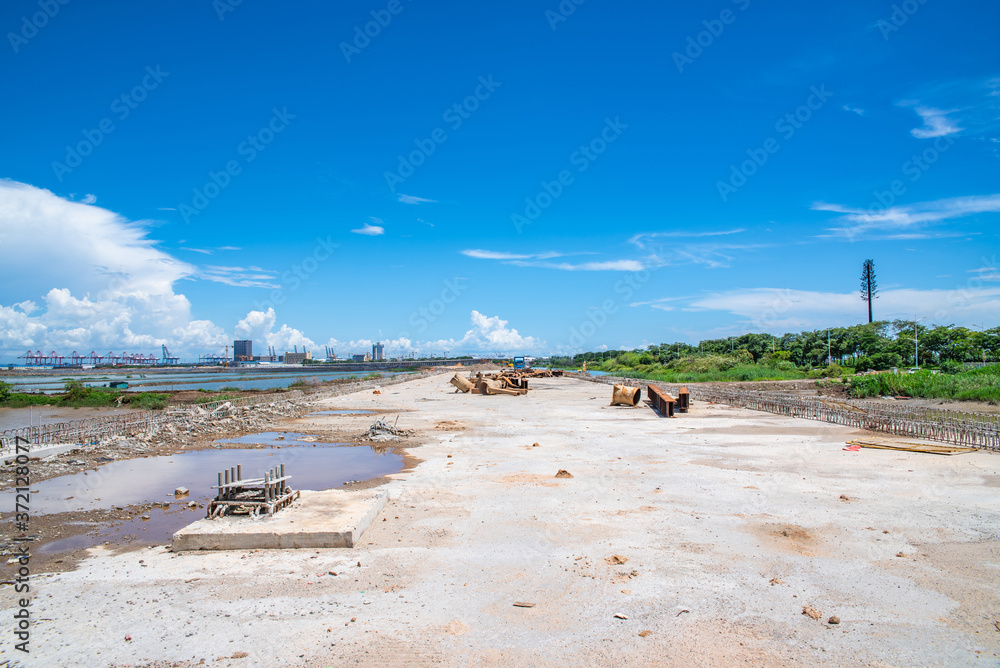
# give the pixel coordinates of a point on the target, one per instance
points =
(130, 486)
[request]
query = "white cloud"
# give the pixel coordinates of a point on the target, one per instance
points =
(371, 230)
(413, 199)
(258, 326)
(499, 255)
(898, 218)
(89, 199)
(197, 250)
(539, 260)
(610, 265)
(936, 123)
(488, 335)
(775, 309)
(101, 283)
(241, 277)
(642, 239)
(854, 110)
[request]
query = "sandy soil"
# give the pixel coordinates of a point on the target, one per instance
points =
(707, 534)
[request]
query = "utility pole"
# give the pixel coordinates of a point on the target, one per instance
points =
(829, 350)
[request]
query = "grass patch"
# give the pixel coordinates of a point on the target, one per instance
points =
(973, 385)
(78, 395)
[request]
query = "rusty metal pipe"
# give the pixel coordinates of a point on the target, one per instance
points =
(623, 395)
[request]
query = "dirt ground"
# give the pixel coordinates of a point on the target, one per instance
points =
(712, 539)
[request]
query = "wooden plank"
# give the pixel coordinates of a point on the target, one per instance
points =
(903, 446)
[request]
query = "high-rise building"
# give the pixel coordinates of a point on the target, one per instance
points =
(242, 350)
(378, 352)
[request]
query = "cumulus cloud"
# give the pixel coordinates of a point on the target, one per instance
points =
(258, 326)
(100, 281)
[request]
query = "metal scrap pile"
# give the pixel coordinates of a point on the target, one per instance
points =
(508, 381)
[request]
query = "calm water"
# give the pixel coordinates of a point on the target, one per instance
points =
(315, 466)
(208, 380)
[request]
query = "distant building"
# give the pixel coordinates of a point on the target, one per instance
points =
(361, 358)
(297, 358)
(242, 351)
(378, 352)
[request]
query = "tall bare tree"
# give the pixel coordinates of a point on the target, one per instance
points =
(869, 286)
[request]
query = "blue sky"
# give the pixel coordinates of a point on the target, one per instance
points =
(519, 178)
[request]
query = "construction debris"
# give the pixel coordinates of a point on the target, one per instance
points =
(252, 497)
(623, 395)
(662, 402)
(463, 384)
(882, 444)
(383, 431)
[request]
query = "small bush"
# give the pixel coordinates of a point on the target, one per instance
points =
(4, 391)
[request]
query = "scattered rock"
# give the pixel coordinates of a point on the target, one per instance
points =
(900, 554)
(619, 615)
(523, 604)
(181, 491)
(645, 634)
(536, 445)
(844, 497)
(777, 581)
(616, 559)
(239, 655)
(128, 638)
(331, 573)
(563, 473)
(811, 612)
(145, 517)
(833, 620)
(192, 504)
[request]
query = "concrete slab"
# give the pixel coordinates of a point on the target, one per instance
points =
(37, 451)
(333, 518)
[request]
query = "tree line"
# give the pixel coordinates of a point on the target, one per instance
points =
(878, 345)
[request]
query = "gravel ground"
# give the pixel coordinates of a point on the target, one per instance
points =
(694, 541)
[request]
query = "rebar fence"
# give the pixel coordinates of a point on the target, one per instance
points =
(976, 430)
(93, 430)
